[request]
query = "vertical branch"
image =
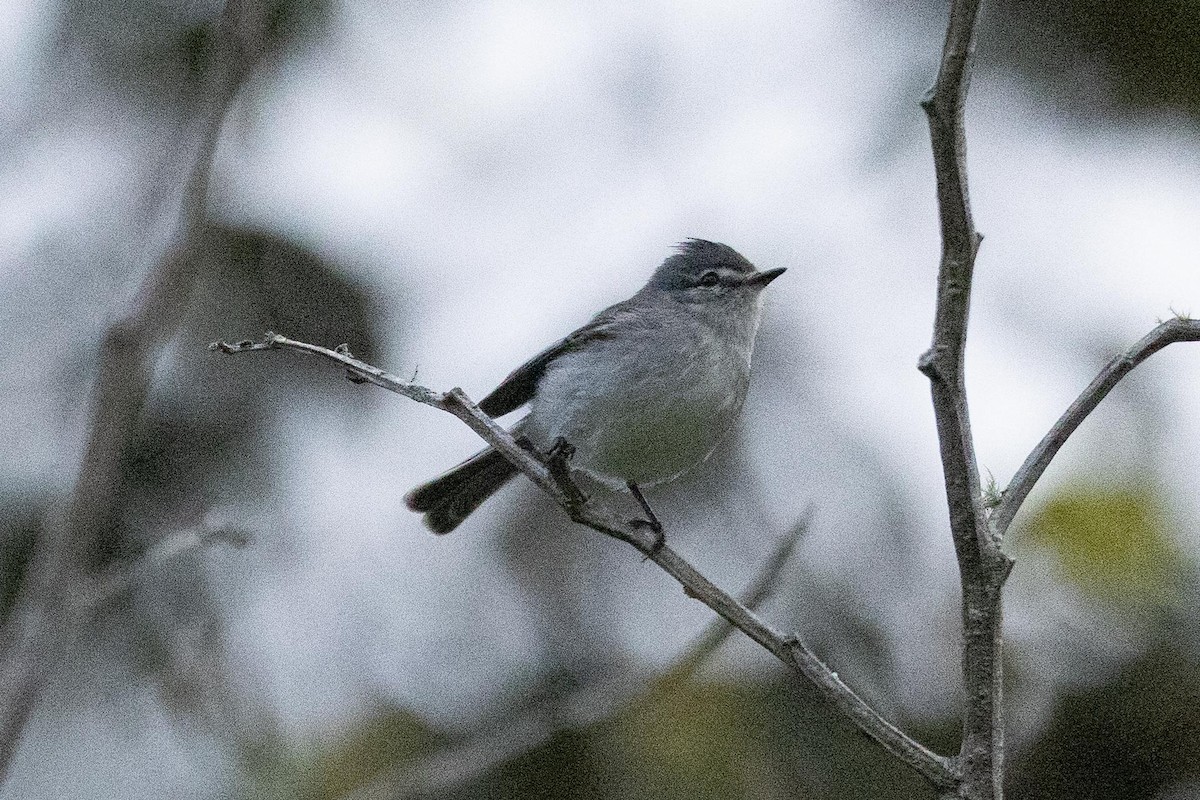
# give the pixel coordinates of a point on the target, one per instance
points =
(47, 616)
(982, 567)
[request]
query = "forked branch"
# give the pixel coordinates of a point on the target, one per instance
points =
(788, 649)
(1178, 329)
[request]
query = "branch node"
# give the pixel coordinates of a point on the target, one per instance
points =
(927, 364)
(353, 376)
(1005, 566)
(269, 342)
(929, 100)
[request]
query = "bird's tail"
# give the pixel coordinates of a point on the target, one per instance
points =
(449, 499)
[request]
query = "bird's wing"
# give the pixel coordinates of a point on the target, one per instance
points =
(517, 389)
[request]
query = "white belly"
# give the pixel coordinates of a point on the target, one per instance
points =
(646, 420)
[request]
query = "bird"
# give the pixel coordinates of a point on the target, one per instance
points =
(635, 398)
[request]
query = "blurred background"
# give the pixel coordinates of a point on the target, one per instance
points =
(448, 187)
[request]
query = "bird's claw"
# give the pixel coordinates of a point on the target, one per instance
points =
(557, 461)
(656, 528)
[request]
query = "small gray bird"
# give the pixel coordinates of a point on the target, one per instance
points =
(639, 395)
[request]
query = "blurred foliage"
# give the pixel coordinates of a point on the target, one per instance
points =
(1146, 54)
(681, 740)
(205, 441)
(21, 519)
(257, 281)
(156, 49)
(698, 740)
(569, 764)
(385, 742)
(200, 441)
(1137, 732)
(1113, 543)
(289, 23)
(1125, 740)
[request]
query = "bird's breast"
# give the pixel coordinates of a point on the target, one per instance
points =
(644, 411)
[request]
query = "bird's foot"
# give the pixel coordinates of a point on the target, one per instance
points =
(651, 521)
(557, 460)
(656, 528)
(561, 450)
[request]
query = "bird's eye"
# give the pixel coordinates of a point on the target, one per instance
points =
(710, 279)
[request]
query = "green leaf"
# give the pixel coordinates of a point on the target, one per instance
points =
(1113, 543)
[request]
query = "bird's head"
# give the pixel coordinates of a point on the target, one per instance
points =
(704, 272)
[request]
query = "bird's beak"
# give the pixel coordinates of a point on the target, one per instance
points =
(761, 279)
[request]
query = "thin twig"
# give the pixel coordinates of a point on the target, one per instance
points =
(45, 621)
(788, 649)
(754, 595)
(455, 766)
(982, 566)
(1173, 330)
(118, 582)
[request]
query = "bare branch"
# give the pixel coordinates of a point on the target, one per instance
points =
(45, 622)
(1174, 330)
(943, 362)
(982, 566)
(116, 583)
(788, 649)
(755, 594)
(451, 768)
